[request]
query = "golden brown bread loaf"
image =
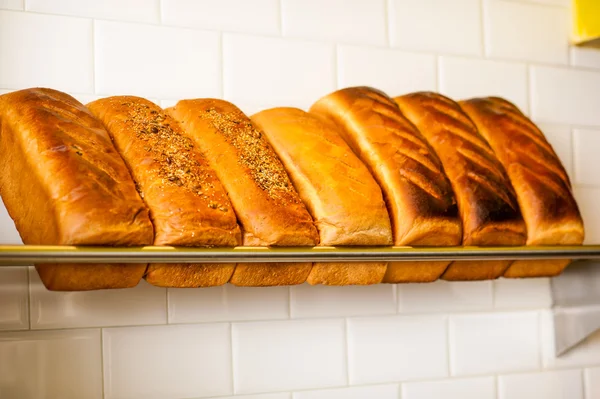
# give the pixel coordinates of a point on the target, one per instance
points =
(188, 204)
(487, 203)
(63, 183)
(418, 195)
(268, 207)
(538, 177)
(338, 190)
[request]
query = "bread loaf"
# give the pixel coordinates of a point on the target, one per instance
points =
(486, 200)
(63, 183)
(341, 195)
(418, 195)
(268, 207)
(188, 204)
(538, 177)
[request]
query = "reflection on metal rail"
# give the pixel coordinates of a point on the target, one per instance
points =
(15, 255)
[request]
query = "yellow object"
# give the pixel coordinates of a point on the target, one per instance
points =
(586, 23)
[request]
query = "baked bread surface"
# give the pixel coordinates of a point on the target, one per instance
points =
(188, 205)
(343, 198)
(63, 183)
(540, 181)
(418, 195)
(487, 203)
(266, 203)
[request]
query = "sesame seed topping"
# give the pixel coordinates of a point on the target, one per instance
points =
(254, 152)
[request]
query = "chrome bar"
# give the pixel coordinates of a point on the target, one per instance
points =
(17, 255)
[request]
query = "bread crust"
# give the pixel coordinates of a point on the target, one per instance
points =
(418, 195)
(267, 206)
(540, 181)
(334, 184)
(188, 204)
(487, 203)
(63, 183)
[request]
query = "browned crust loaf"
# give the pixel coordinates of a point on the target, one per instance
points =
(63, 183)
(188, 204)
(541, 183)
(487, 203)
(343, 198)
(268, 207)
(418, 195)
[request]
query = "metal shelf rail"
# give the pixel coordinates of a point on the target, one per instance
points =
(17, 255)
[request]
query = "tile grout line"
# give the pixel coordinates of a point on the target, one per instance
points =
(347, 351)
(449, 350)
(102, 360)
(167, 313)
(94, 83)
(232, 358)
(496, 387)
(482, 28)
(387, 25)
(280, 17)
(336, 75)
(27, 268)
(584, 383)
(289, 297)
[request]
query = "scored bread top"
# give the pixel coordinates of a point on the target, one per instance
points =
(417, 193)
(486, 200)
(541, 183)
(62, 180)
(266, 203)
(342, 196)
(188, 204)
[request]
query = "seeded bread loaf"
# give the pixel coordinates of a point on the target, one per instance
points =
(188, 204)
(63, 183)
(486, 200)
(341, 195)
(268, 207)
(418, 195)
(540, 181)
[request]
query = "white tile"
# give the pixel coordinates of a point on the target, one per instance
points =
(560, 138)
(462, 78)
(357, 21)
(85, 98)
(251, 109)
(167, 361)
(261, 396)
(592, 383)
(330, 301)
(565, 95)
(228, 303)
(8, 230)
(585, 57)
(587, 200)
(374, 391)
(14, 303)
(288, 355)
(526, 293)
(276, 72)
(141, 305)
(445, 296)
(167, 103)
(472, 388)
(51, 364)
(586, 146)
(563, 3)
(127, 10)
(253, 16)
(156, 61)
(529, 32)
(585, 354)
(479, 343)
(393, 71)
(432, 25)
(62, 45)
(565, 384)
(397, 348)
(11, 4)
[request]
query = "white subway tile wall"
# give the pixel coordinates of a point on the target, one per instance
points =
(484, 340)
(472, 388)
(566, 384)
